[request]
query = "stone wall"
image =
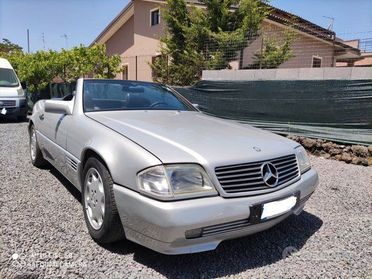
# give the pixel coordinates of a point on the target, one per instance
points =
(351, 154)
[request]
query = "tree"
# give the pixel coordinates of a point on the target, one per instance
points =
(104, 66)
(199, 39)
(181, 61)
(80, 61)
(7, 47)
(40, 68)
(275, 51)
(36, 69)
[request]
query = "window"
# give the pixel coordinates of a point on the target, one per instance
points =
(317, 62)
(110, 95)
(155, 17)
(124, 72)
(8, 78)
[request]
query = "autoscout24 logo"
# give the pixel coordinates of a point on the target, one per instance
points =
(32, 259)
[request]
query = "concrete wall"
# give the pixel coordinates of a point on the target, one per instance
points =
(332, 73)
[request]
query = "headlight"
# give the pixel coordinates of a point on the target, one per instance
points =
(20, 92)
(176, 181)
(303, 159)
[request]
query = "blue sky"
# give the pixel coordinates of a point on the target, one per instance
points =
(83, 20)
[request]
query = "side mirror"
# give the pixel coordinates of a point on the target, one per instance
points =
(57, 106)
(23, 84)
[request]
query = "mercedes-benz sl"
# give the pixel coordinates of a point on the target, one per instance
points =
(154, 169)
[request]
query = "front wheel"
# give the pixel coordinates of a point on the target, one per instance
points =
(37, 158)
(100, 212)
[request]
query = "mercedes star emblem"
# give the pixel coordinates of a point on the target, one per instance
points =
(269, 174)
(257, 148)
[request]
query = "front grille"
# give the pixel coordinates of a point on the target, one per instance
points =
(248, 178)
(7, 103)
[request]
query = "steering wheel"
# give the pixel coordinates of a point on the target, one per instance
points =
(157, 103)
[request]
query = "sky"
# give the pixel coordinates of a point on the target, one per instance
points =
(82, 20)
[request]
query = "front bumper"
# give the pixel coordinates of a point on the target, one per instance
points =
(161, 226)
(18, 109)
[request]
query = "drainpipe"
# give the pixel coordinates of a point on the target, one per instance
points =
(136, 68)
(262, 46)
(334, 50)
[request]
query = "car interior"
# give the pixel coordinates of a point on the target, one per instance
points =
(99, 96)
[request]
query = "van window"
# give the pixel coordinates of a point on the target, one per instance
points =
(8, 78)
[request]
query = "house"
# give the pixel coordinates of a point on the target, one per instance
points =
(135, 35)
(365, 59)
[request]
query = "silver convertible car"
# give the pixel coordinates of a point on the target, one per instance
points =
(155, 170)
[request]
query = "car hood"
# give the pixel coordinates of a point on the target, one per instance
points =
(187, 136)
(8, 91)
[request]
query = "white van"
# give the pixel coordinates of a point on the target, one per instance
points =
(12, 97)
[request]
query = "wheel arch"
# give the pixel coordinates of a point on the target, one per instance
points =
(30, 123)
(86, 154)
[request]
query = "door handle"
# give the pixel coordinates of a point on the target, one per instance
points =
(41, 116)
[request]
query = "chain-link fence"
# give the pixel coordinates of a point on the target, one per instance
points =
(295, 45)
(288, 47)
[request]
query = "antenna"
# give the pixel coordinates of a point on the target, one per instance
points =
(66, 39)
(332, 20)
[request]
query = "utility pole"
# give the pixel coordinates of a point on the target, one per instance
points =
(66, 40)
(28, 40)
(43, 38)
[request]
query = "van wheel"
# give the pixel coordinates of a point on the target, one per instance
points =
(100, 212)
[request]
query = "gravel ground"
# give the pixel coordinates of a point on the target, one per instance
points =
(43, 233)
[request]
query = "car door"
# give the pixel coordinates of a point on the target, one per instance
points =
(69, 162)
(53, 137)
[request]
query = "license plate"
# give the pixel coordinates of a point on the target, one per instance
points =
(276, 208)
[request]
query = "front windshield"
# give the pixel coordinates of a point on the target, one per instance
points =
(8, 78)
(106, 95)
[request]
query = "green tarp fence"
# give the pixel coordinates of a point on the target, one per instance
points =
(337, 110)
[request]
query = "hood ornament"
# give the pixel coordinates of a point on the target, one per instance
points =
(269, 174)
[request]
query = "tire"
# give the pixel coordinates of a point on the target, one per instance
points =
(100, 211)
(37, 158)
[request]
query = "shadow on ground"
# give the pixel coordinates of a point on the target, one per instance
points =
(67, 184)
(231, 257)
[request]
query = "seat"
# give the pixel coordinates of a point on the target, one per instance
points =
(136, 101)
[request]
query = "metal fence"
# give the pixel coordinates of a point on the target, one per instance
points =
(274, 46)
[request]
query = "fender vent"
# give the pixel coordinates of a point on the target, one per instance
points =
(71, 163)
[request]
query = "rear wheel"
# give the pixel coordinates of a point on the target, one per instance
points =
(37, 158)
(100, 212)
